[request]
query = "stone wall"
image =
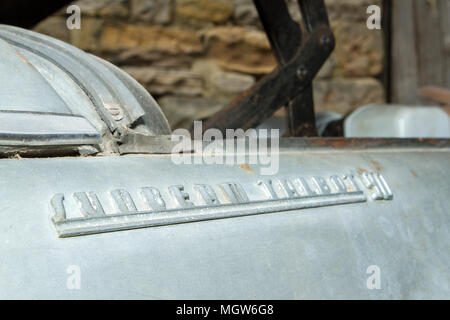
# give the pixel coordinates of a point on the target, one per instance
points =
(195, 55)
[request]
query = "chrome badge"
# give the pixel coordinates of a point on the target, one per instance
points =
(208, 202)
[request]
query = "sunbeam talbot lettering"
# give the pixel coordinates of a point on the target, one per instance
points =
(199, 202)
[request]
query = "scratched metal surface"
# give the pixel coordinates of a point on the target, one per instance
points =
(310, 253)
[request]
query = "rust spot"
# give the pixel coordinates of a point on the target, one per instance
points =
(336, 142)
(376, 165)
(366, 143)
(361, 170)
(24, 59)
(434, 142)
(414, 173)
(247, 168)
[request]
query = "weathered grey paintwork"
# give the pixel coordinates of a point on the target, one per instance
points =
(320, 252)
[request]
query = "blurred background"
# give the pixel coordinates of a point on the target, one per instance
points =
(194, 56)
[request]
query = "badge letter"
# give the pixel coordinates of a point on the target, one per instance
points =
(234, 192)
(57, 205)
(152, 198)
(207, 194)
(181, 197)
(89, 204)
(123, 201)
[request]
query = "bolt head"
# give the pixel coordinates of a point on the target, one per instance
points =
(302, 72)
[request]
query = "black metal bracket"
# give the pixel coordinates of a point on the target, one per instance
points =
(300, 56)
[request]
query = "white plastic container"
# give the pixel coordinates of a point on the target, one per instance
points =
(396, 121)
